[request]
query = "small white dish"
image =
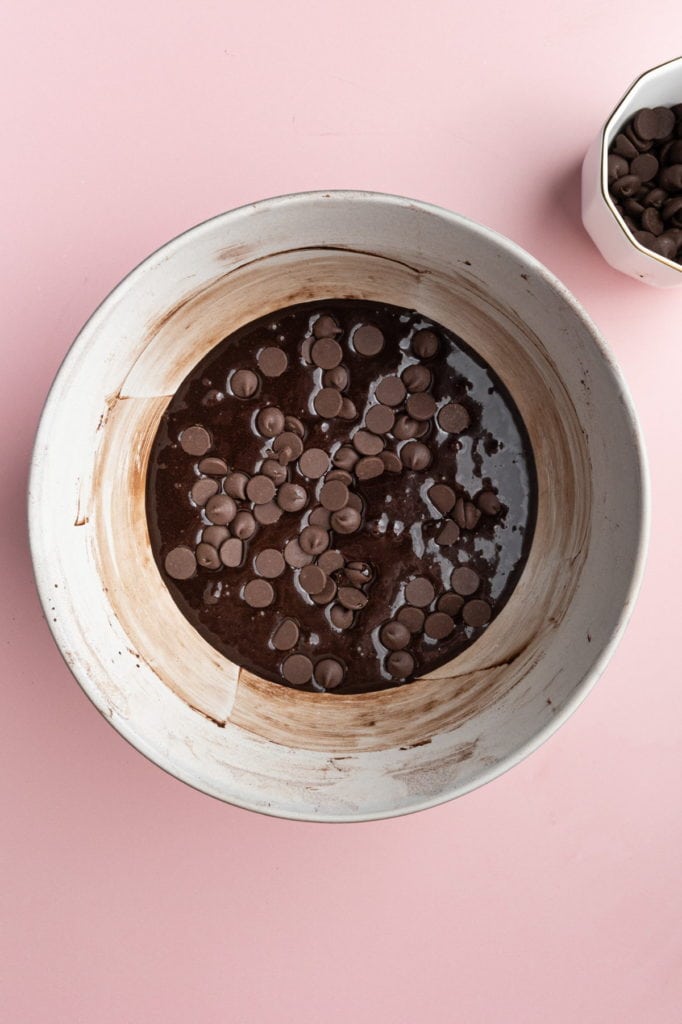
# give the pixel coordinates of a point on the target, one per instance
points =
(659, 87)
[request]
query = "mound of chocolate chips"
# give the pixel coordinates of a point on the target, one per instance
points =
(341, 496)
(645, 178)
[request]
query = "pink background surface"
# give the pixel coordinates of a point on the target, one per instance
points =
(552, 894)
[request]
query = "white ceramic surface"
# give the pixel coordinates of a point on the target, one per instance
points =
(661, 86)
(324, 756)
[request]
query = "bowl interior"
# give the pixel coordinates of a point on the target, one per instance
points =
(319, 755)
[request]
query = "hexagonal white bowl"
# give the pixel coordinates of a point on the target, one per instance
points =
(324, 756)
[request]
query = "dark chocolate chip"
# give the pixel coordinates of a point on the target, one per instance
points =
(411, 617)
(652, 221)
(476, 613)
(670, 178)
(420, 592)
(180, 563)
(656, 197)
(297, 669)
(488, 503)
(195, 440)
(451, 604)
(292, 497)
(272, 361)
(624, 147)
(626, 186)
(327, 403)
(415, 455)
(286, 635)
(465, 581)
(221, 509)
(438, 625)
(394, 635)
(313, 463)
(270, 421)
(232, 552)
(654, 124)
(260, 489)
(453, 418)
(326, 353)
(329, 673)
(202, 490)
(617, 167)
(244, 383)
(269, 563)
(259, 593)
(443, 497)
(390, 391)
(645, 166)
(368, 340)
(425, 343)
(400, 664)
(672, 208)
(416, 378)
(421, 406)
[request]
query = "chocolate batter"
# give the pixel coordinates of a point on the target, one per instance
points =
(341, 496)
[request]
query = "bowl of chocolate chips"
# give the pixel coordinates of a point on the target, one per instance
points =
(632, 180)
(338, 506)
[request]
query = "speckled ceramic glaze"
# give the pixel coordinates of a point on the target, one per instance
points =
(323, 756)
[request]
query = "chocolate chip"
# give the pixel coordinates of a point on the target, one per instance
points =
(450, 604)
(297, 669)
(327, 403)
(235, 485)
(180, 563)
(379, 419)
(355, 501)
(392, 463)
(286, 635)
(448, 535)
(326, 353)
(270, 421)
(453, 418)
(220, 509)
(330, 561)
(293, 425)
(488, 503)
(368, 340)
(244, 383)
(352, 598)
(645, 238)
(438, 625)
(406, 428)
(272, 361)
(656, 197)
(421, 406)
(425, 343)
(400, 664)
(644, 166)
(329, 673)
(624, 147)
(326, 327)
(213, 466)
(666, 245)
(260, 489)
(652, 221)
(465, 581)
(207, 556)
(195, 440)
(641, 145)
(287, 447)
(466, 514)
(268, 513)
(654, 124)
(476, 613)
(313, 463)
(274, 470)
(337, 377)
(306, 345)
(334, 495)
(416, 378)
(347, 410)
(370, 467)
(617, 167)
(368, 443)
(312, 579)
(215, 535)
(269, 563)
(672, 208)
(292, 497)
(320, 517)
(415, 455)
(633, 207)
(327, 594)
(243, 525)
(626, 186)
(345, 457)
(259, 593)
(420, 592)
(232, 552)
(394, 635)
(314, 540)
(340, 474)
(411, 617)
(346, 520)
(670, 178)
(341, 617)
(443, 497)
(390, 391)
(295, 556)
(202, 490)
